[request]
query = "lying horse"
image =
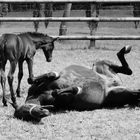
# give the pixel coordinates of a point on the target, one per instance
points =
(80, 88)
(20, 48)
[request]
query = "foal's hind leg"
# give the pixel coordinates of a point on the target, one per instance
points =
(10, 79)
(3, 81)
(20, 75)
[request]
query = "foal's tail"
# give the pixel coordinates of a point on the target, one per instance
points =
(2, 45)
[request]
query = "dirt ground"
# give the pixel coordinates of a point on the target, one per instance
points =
(101, 124)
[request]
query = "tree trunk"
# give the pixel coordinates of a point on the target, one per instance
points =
(93, 25)
(48, 10)
(36, 13)
(63, 25)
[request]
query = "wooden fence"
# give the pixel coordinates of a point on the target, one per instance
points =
(77, 19)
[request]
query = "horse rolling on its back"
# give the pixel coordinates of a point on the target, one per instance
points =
(20, 48)
(80, 88)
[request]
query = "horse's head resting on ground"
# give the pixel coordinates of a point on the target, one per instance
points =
(30, 112)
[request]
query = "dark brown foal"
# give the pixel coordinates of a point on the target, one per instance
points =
(20, 48)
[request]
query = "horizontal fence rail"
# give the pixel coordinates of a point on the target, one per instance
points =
(70, 1)
(77, 19)
(98, 37)
(70, 19)
(88, 37)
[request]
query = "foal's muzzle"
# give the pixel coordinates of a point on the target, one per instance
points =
(49, 59)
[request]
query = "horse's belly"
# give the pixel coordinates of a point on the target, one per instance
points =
(77, 75)
(93, 86)
(92, 96)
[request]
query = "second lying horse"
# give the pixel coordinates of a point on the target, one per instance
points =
(81, 88)
(20, 48)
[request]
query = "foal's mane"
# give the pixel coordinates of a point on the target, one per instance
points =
(35, 34)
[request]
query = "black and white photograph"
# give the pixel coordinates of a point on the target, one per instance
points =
(69, 69)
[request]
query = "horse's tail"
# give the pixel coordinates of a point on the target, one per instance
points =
(2, 41)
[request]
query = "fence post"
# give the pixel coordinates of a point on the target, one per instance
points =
(93, 25)
(63, 25)
(48, 10)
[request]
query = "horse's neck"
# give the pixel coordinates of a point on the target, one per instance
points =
(36, 40)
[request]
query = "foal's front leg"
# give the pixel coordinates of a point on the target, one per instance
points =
(20, 75)
(11, 78)
(30, 69)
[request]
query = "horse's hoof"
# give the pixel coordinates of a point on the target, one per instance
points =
(55, 93)
(127, 49)
(56, 75)
(79, 90)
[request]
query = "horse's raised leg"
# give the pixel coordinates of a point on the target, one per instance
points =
(45, 77)
(39, 83)
(11, 78)
(20, 75)
(120, 96)
(64, 97)
(125, 69)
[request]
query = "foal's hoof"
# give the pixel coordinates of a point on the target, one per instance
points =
(127, 49)
(30, 81)
(5, 104)
(18, 95)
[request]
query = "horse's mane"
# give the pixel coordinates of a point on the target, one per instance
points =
(35, 34)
